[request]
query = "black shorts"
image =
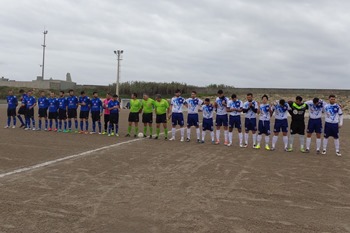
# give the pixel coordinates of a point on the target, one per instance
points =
(95, 116)
(297, 127)
(134, 117)
(106, 117)
(161, 118)
(30, 113)
(84, 115)
(53, 115)
(72, 113)
(114, 118)
(147, 118)
(62, 114)
(11, 112)
(22, 110)
(42, 112)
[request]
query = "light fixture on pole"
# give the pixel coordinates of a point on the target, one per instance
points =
(118, 53)
(44, 47)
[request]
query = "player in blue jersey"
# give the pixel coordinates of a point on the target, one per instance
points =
(265, 113)
(235, 108)
(96, 113)
(62, 112)
(250, 108)
(333, 121)
(22, 108)
(221, 116)
(208, 112)
(281, 110)
(43, 103)
(84, 102)
(72, 111)
(315, 108)
(114, 108)
(193, 104)
(12, 103)
(53, 111)
(177, 117)
(30, 104)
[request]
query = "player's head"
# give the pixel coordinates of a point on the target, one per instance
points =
(42, 93)
(193, 94)
(145, 96)
(134, 96)
(108, 96)
(250, 97)
(29, 92)
(61, 93)
(95, 94)
(177, 92)
(115, 97)
(331, 99)
(233, 97)
(10, 92)
(316, 100)
(158, 97)
(82, 93)
(52, 94)
(220, 93)
(282, 102)
(21, 91)
(298, 100)
(71, 92)
(207, 101)
(264, 99)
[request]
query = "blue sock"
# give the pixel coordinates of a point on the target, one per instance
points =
(8, 121)
(33, 121)
(39, 123)
(76, 124)
(100, 126)
(70, 124)
(60, 124)
(46, 123)
(110, 128)
(50, 123)
(93, 126)
(87, 125)
(82, 125)
(65, 125)
(14, 121)
(56, 121)
(20, 119)
(116, 128)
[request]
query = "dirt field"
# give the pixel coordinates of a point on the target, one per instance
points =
(144, 185)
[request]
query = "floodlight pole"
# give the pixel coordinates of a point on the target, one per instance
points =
(118, 53)
(44, 47)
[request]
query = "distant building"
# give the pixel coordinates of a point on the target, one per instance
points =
(39, 83)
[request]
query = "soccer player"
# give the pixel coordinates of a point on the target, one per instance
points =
(193, 104)
(250, 108)
(62, 112)
(235, 108)
(106, 112)
(315, 108)
(334, 121)
(96, 113)
(43, 103)
(161, 107)
(30, 104)
(72, 111)
(281, 109)
(147, 114)
(221, 116)
(298, 109)
(208, 112)
(265, 113)
(114, 108)
(84, 102)
(53, 111)
(134, 115)
(12, 103)
(177, 117)
(22, 108)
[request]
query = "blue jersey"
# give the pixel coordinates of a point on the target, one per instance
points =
(24, 99)
(96, 105)
(208, 111)
(72, 102)
(30, 101)
(53, 104)
(62, 103)
(85, 100)
(111, 104)
(43, 102)
(12, 101)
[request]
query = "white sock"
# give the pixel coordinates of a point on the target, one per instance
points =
(274, 140)
(302, 141)
(182, 130)
(173, 131)
(212, 136)
(318, 143)
(336, 144)
(218, 135)
(325, 143)
(246, 137)
(188, 133)
(291, 140)
(308, 143)
(254, 139)
(240, 135)
(230, 136)
(259, 138)
(203, 135)
(226, 135)
(267, 140)
(285, 141)
(198, 133)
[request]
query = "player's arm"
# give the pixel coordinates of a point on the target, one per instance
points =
(255, 107)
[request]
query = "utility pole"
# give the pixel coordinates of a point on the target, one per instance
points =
(44, 47)
(118, 53)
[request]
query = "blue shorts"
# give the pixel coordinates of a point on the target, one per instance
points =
(221, 120)
(235, 122)
(192, 120)
(314, 126)
(250, 124)
(208, 124)
(331, 130)
(177, 119)
(281, 125)
(264, 127)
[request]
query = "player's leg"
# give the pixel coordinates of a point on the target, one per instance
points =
(310, 130)
(129, 125)
(230, 129)
(174, 122)
(260, 132)
(246, 132)
(32, 117)
(267, 135)
(181, 122)
(225, 124)
(136, 122)
(284, 126)
(276, 130)
(254, 135)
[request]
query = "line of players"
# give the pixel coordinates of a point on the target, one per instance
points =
(66, 107)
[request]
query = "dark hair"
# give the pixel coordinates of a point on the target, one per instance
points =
(250, 94)
(115, 96)
(158, 96)
(265, 96)
(220, 92)
(62, 92)
(95, 92)
(21, 91)
(82, 92)
(233, 96)
(194, 92)
(42, 91)
(134, 94)
(282, 101)
(299, 98)
(315, 100)
(70, 90)
(331, 96)
(207, 100)
(108, 93)
(177, 91)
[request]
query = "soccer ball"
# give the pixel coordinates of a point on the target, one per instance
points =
(140, 135)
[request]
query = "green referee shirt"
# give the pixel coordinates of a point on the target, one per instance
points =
(135, 105)
(148, 105)
(161, 107)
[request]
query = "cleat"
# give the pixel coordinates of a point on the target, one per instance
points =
(21, 126)
(26, 128)
(188, 140)
(99, 133)
(45, 129)
(267, 147)
(145, 136)
(112, 134)
(307, 151)
(6, 127)
(318, 152)
(257, 147)
(104, 133)
(213, 142)
(109, 135)
(65, 131)
(135, 136)
(171, 139)
(150, 136)
(302, 150)
(166, 139)
(202, 141)
(38, 129)
(338, 153)
(182, 139)
(324, 152)
(55, 130)
(117, 135)
(49, 129)
(69, 131)
(127, 135)
(156, 137)
(93, 132)
(288, 149)
(198, 141)
(81, 132)
(13, 127)
(229, 144)
(86, 132)
(226, 143)
(241, 145)
(76, 131)
(33, 129)
(272, 148)
(245, 145)
(254, 146)
(58, 131)
(217, 142)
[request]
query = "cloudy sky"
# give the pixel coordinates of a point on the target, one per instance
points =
(245, 43)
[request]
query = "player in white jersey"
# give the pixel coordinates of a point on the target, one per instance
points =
(315, 108)
(235, 108)
(193, 104)
(334, 121)
(265, 113)
(177, 117)
(221, 116)
(208, 112)
(250, 108)
(281, 109)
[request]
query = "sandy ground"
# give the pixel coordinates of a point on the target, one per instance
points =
(160, 186)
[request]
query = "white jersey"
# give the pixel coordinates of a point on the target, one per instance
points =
(265, 112)
(193, 105)
(250, 113)
(221, 109)
(177, 104)
(208, 111)
(235, 104)
(333, 112)
(315, 111)
(281, 112)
